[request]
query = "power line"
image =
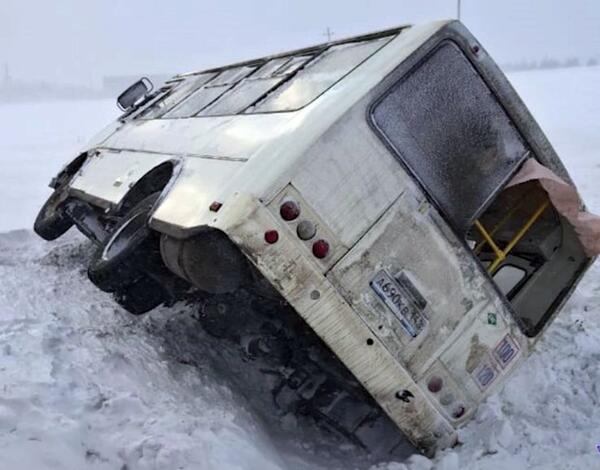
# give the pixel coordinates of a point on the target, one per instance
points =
(328, 33)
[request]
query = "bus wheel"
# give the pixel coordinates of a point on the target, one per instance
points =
(128, 262)
(52, 220)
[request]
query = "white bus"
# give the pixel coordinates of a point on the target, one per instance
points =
(392, 188)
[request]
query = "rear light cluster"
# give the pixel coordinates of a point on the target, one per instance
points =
(289, 211)
(271, 236)
(435, 385)
(306, 230)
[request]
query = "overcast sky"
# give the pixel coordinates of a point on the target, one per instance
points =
(80, 41)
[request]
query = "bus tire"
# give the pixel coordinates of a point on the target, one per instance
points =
(129, 253)
(52, 220)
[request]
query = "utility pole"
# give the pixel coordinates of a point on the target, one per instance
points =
(458, 9)
(328, 33)
(6, 78)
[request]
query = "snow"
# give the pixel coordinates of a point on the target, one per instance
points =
(37, 140)
(84, 385)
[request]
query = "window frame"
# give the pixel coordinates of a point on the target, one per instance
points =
(316, 57)
(171, 87)
(313, 52)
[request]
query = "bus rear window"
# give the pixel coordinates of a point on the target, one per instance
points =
(447, 127)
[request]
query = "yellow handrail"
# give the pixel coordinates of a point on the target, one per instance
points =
(501, 254)
(486, 236)
(501, 223)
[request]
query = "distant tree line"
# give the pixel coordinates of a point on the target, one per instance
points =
(549, 63)
(13, 90)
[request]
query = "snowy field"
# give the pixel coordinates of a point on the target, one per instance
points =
(84, 385)
(36, 140)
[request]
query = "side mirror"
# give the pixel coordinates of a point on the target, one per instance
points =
(134, 94)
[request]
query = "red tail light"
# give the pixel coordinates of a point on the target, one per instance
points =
(435, 384)
(271, 236)
(289, 210)
(320, 249)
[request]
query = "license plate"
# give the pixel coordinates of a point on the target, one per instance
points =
(398, 300)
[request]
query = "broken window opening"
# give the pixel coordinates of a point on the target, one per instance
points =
(518, 239)
(500, 254)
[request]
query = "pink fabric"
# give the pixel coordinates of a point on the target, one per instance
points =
(565, 199)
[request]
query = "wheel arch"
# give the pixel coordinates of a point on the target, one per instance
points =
(69, 170)
(157, 179)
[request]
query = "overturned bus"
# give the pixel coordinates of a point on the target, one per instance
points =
(392, 188)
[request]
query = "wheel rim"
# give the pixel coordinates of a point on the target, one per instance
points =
(128, 233)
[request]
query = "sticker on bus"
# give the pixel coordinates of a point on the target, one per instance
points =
(505, 351)
(485, 373)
